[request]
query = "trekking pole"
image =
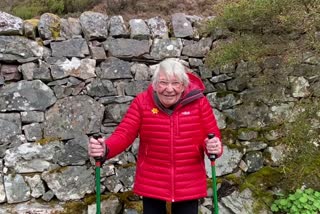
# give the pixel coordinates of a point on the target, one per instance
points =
(212, 158)
(97, 174)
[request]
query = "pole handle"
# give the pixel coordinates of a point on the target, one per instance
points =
(212, 157)
(97, 159)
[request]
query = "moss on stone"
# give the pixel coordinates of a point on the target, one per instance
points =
(74, 207)
(234, 179)
(125, 200)
(47, 140)
(260, 183)
(58, 170)
(265, 178)
(302, 163)
(33, 22)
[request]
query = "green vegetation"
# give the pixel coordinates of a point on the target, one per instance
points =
(260, 183)
(261, 28)
(31, 8)
(302, 164)
(300, 167)
(302, 201)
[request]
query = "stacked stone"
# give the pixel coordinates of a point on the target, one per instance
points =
(61, 80)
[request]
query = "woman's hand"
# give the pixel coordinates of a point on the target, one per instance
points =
(213, 146)
(97, 147)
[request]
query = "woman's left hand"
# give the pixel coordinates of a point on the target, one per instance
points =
(213, 146)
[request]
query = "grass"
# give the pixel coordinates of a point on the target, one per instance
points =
(253, 25)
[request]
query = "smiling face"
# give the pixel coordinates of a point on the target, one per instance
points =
(169, 90)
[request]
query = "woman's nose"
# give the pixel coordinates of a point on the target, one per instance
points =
(169, 87)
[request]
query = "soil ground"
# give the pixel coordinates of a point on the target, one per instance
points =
(144, 9)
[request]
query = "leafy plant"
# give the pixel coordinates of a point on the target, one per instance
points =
(302, 201)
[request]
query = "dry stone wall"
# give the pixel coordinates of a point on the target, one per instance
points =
(62, 80)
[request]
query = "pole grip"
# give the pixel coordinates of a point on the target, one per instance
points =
(212, 157)
(97, 159)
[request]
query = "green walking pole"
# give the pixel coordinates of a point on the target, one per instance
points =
(97, 174)
(212, 158)
(98, 195)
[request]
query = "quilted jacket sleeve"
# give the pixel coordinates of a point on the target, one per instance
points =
(209, 121)
(126, 132)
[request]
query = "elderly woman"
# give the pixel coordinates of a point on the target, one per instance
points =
(172, 118)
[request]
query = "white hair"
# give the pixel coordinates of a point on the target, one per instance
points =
(170, 67)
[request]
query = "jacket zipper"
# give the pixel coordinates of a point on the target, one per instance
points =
(172, 158)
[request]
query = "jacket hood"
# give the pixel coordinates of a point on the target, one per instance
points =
(195, 83)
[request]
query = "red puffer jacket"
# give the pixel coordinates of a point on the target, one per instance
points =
(170, 163)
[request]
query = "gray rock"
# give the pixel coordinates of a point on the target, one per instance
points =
(224, 102)
(73, 116)
(166, 48)
(98, 53)
(33, 131)
(135, 87)
(115, 112)
(225, 164)
(117, 27)
(70, 28)
(49, 26)
(158, 27)
(32, 207)
(20, 49)
(140, 71)
(239, 203)
(2, 191)
(36, 185)
(251, 115)
(26, 96)
(253, 160)
(32, 117)
(31, 157)
(205, 72)
(10, 72)
(27, 70)
(247, 135)
(94, 25)
(47, 196)
(220, 78)
(275, 155)
(76, 47)
(253, 145)
(126, 48)
(299, 87)
(83, 69)
(110, 206)
(10, 25)
(70, 183)
(114, 68)
(10, 125)
(139, 29)
(197, 49)
(101, 88)
(10, 142)
(182, 28)
(194, 62)
(30, 28)
(75, 152)
(17, 190)
(42, 72)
